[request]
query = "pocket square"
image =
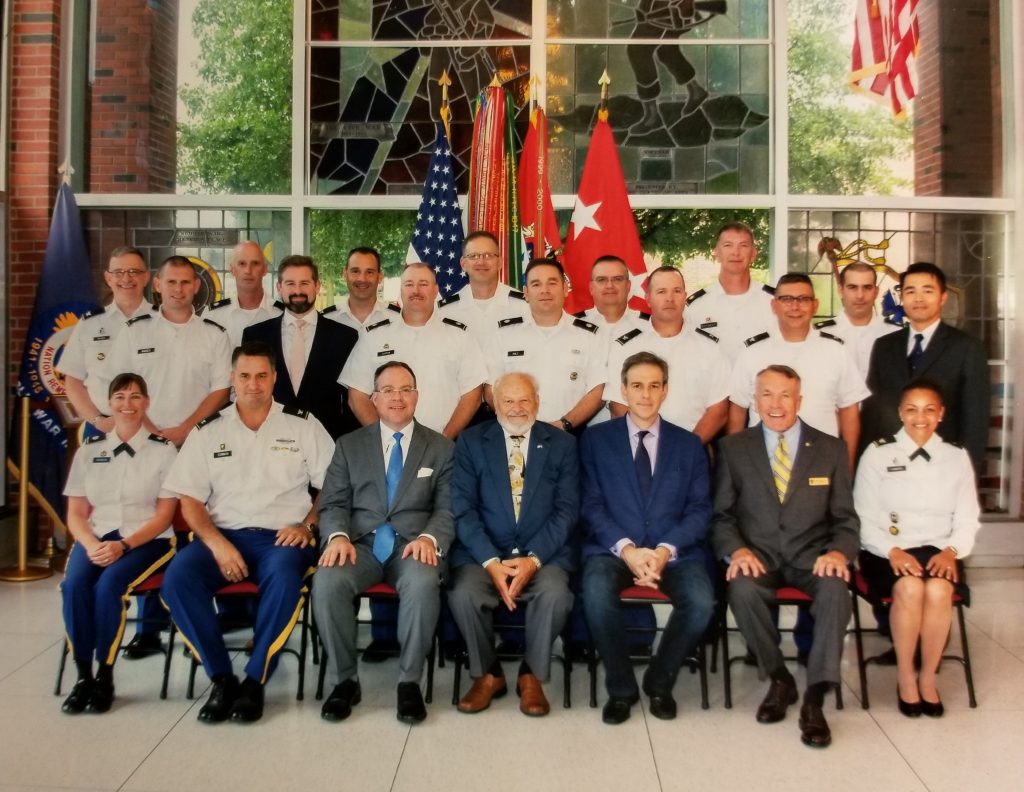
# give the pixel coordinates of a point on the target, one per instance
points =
(424, 472)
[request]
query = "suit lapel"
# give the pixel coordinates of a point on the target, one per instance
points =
(758, 452)
(497, 461)
(804, 454)
(535, 461)
(284, 381)
(410, 468)
(378, 471)
(622, 448)
(934, 349)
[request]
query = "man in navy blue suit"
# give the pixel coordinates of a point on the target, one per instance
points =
(515, 495)
(645, 512)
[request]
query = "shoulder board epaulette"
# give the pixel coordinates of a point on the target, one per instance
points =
(454, 298)
(135, 319)
(208, 420)
(580, 314)
(90, 314)
(696, 295)
(824, 323)
(517, 294)
(220, 303)
(823, 334)
(754, 339)
(512, 320)
(449, 321)
(215, 324)
(768, 289)
(881, 441)
(94, 439)
(625, 338)
(329, 309)
(706, 334)
(394, 307)
(375, 325)
(954, 443)
(296, 411)
(158, 439)
(645, 316)
(583, 324)
(893, 322)
(279, 305)
(155, 308)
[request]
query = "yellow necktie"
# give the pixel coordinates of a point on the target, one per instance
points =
(516, 463)
(782, 466)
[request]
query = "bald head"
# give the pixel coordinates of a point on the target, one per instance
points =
(248, 267)
(516, 401)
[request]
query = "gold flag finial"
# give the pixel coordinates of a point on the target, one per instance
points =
(445, 82)
(446, 113)
(604, 82)
(495, 82)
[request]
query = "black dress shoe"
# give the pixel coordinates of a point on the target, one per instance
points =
(814, 729)
(341, 701)
(142, 645)
(781, 693)
(616, 711)
(380, 650)
(933, 709)
(102, 696)
(663, 706)
(411, 708)
(248, 707)
(78, 698)
(912, 709)
(222, 698)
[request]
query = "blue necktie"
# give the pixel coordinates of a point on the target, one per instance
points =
(642, 460)
(914, 358)
(384, 537)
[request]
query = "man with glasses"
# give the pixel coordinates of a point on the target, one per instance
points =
(251, 304)
(609, 287)
(386, 512)
(831, 385)
(83, 362)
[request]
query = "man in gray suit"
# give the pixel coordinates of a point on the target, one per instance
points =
(784, 516)
(386, 511)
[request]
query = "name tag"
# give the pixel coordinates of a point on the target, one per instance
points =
(219, 454)
(385, 352)
(516, 352)
(896, 468)
(145, 351)
(709, 324)
(101, 338)
(101, 459)
(818, 481)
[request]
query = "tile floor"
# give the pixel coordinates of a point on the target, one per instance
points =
(149, 744)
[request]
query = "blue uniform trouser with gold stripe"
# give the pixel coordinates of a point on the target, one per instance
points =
(194, 576)
(96, 597)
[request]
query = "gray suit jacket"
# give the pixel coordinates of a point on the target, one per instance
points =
(816, 516)
(354, 496)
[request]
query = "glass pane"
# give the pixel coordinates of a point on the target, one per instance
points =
(373, 112)
(419, 20)
(658, 19)
(688, 119)
(845, 141)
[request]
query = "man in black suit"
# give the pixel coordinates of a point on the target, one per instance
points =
(929, 348)
(310, 352)
(784, 516)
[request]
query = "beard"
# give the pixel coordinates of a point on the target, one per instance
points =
(299, 303)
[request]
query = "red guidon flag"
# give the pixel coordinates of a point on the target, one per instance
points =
(536, 214)
(885, 43)
(602, 221)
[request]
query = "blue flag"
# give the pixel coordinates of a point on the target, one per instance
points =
(65, 292)
(437, 238)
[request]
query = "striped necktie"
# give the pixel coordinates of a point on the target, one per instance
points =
(782, 466)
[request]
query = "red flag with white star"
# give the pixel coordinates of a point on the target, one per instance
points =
(602, 221)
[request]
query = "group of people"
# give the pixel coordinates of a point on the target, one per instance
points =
(491, 451)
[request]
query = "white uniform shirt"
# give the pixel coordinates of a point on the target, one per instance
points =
(481, 317)
(858, 338)
(829, 378)
(85, 354)
(233, 318)
(253, 479)
(445, 359)
(733, 318)
(122, 489)
(568, 360)
(904, 502)
(698, 373)
(607, 333)
(342, 315)
(181, 363)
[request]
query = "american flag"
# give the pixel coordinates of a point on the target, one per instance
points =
(437, 238)
(886, 38)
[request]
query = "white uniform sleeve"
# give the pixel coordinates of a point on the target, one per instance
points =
(190, 473)
(741, 388)
(719, 379)
(851, 381)
(613, 380)
(494, 356)
(966, 511)
(358, 370)
(597, 362)
(72, 359)
(75, 486)
(867, 494)
(168, 454)
(472, 371)
(220, 371)
(321, 447)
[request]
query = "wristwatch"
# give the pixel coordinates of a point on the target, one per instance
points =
(125, 546)
(566, 423)
(310, 526)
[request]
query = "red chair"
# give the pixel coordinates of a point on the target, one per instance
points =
(860, 590)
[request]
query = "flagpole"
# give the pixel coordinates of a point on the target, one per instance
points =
(538, 228)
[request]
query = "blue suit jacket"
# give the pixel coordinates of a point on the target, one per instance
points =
(678, 511)
(485, 524)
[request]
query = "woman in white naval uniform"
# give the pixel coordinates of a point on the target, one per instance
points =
(918, 506)
(120, 517)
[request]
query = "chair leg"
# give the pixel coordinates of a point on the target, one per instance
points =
(968, 672)
(457, 677)
(862, 666)
(303, 638)
(190, 690)
(726, 668)
(431, 656)
(60, 668)
(592, 672)
(566, 678)
(839, 695)
(321, 674)
(702, 667)
(167, 660)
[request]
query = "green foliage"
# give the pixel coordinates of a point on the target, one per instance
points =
(836, 145)
(238, 136)
(680, 234)
(332, 234)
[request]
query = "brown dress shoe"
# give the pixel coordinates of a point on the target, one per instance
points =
(532, 701)
(484, 689)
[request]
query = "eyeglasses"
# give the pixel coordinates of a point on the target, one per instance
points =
(393, 391)
(127, 273)
(480, 256)
(616, 280)
(789, 299)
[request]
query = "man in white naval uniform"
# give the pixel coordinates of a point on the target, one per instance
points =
(734, 307)
(185, 360)
(698, 399)
(363, 276)
(450, 371)
(858, 325)
(83, 362)
(831, 386)
(251, 304)
(564, 354)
